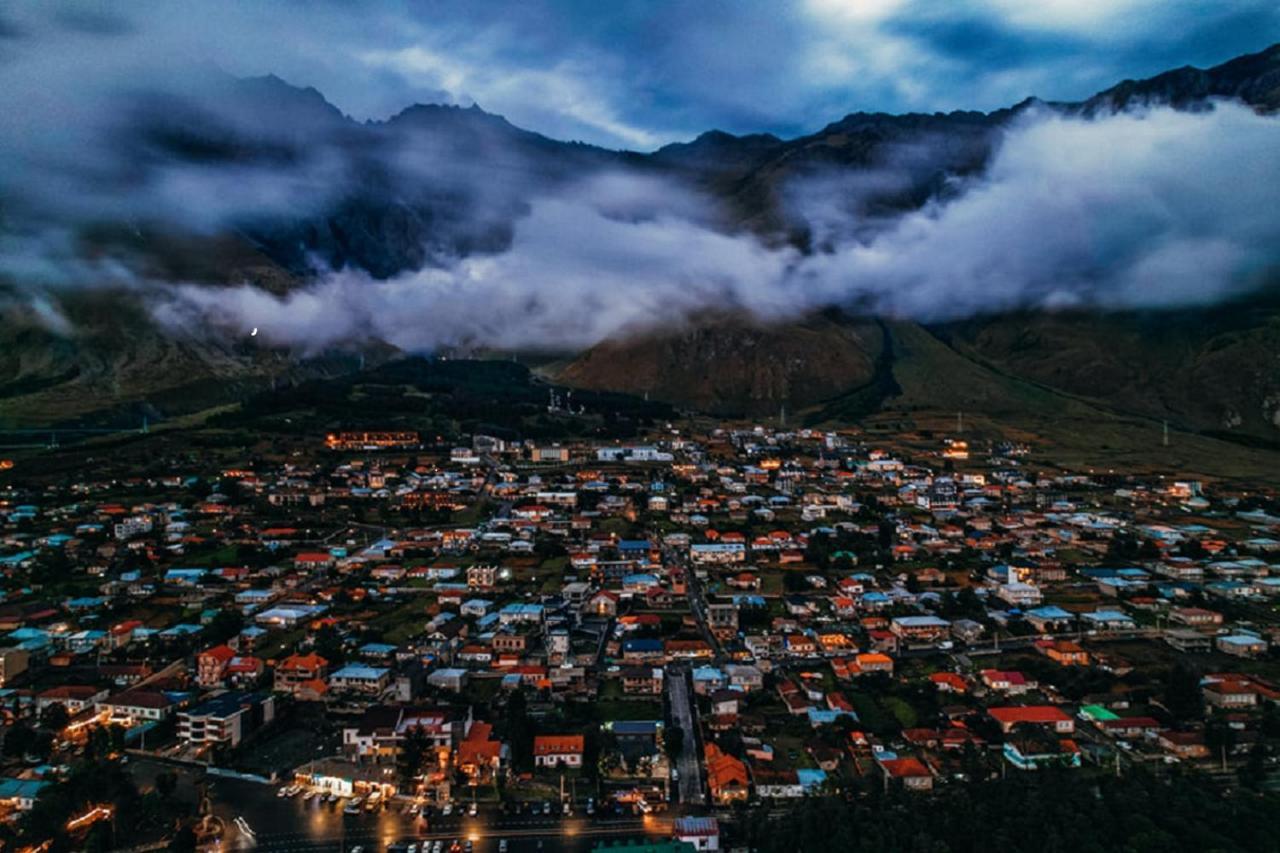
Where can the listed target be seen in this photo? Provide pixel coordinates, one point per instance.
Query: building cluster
(693, 618)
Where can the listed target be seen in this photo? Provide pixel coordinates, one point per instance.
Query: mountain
(436, 183)
(1202, 370)
(732, 365)
(117, 368)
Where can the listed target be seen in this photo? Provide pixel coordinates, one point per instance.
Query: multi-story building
(722, 619)
(13, 662)
(226, 719)
(297, 671)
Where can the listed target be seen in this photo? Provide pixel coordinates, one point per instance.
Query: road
(685, 713)
(297, 826)
(693, 589)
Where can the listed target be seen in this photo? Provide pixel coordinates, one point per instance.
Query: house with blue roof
(1241, 645)
(1049, 618)
(708, 679)
(874, 600)
(27, 634)
(287, 617)
(1231, 589)
(376, 650)
(518, 612)
(21, 794)
(827, 716)
(360, 678)
(255, 596)
(1108, 620)
(639, 582)
(86, 641)
(642, 649)
(475, 607)
(811, 778)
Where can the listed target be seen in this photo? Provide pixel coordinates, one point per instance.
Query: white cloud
(564, 88)
(1092, 17)
(1151, 209)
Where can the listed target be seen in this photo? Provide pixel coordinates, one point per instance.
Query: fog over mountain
(1146, 208)
(205, 206)
(448, 227)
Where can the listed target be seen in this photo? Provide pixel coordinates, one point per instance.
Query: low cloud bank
(1148, 209)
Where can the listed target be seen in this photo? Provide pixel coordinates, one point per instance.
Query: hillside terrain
(436, 183)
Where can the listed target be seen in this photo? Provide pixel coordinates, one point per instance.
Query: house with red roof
(727, 777)
(1007, 681)
(912, 773)
(949, 682)
(1046, 716)
(211, 665)
(558, 750)
(314, 561)
(297, 670)
(479, 755)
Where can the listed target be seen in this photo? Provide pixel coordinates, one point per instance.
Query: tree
(1254, 771)
(184, 841)
(224, 625)
(413, 753)
(166, 784)
(1220, 738)
(887, 534)
(100, 838)
(1182, 696)
(674, 741)
(520, 731)
(329, 646)
(55, 717)
(19, 740)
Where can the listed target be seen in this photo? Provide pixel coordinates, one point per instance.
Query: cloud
(615, 254)
(630, 74)
(1156, 208)
(563, 89)
(116, 120)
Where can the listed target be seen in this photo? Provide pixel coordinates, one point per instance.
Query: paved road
(685, 713)
(297, 826)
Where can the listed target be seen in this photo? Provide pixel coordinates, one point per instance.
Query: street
(680, 696)
(282, 825)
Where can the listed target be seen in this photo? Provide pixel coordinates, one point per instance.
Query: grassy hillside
(734, 366)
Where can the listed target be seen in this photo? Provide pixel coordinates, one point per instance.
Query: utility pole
(1165, 439)
(959, 422)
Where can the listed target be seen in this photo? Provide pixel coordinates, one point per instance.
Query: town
(381, 639)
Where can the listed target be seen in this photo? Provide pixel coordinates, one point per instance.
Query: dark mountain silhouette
(435, 183)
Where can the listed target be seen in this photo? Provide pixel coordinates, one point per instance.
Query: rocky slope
(733, 366)
(440, 182)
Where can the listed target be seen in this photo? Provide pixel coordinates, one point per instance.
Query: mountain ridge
(404, 197)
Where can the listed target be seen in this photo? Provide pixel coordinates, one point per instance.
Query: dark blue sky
(640, 73)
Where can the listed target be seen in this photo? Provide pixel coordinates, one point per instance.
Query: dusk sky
(635, 74)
